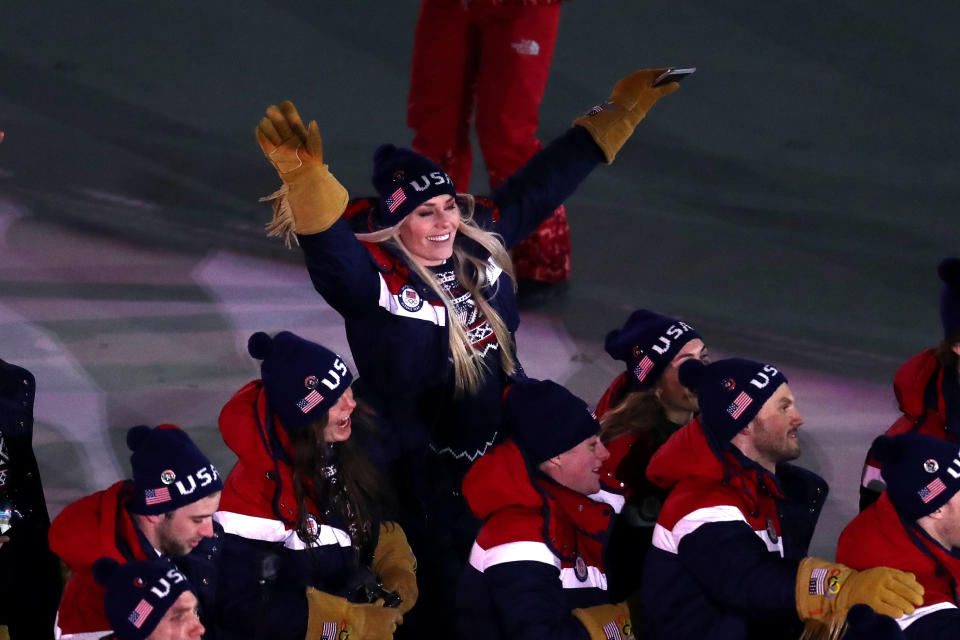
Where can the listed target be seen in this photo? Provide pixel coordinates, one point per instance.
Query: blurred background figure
(487, 61)
(30, 585)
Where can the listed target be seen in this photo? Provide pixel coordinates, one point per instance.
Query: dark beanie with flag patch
(546, 419)
(138, 594)
(301, 379)
(647, 342)
(922, 472)
(169, 471)
(404, 180)
(730, 392)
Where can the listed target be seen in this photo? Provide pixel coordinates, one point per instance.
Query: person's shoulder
(700, 494)
(517, 524)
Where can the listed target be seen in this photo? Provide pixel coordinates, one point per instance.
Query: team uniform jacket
(398, 330)
(258, 514)
(877, 537)
(538, 556)
(727, 543)
(99, 525)
(929, 397)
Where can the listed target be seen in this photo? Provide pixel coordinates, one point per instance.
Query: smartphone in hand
(673, 75)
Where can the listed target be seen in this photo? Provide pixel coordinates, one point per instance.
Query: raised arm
(554, 173)
(307, 210)
(311, 199)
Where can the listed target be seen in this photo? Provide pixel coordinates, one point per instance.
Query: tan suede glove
(335, 617)
(311, 199)
(613, 122)
(601, 620)
(826, 590)
(395, 565)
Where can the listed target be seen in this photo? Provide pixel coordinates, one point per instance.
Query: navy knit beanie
(138, 594)
(922, 472)
(404, 180)
(730, 392)
(648, 342)
(546, 419)
(949, 271)
(169, 471)
(301, 379)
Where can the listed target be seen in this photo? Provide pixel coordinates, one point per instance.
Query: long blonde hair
(469, 369)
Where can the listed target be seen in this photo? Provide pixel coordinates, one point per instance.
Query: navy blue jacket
(727, 544)
(398, 330)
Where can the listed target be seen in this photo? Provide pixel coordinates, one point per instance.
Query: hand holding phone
(673, 75)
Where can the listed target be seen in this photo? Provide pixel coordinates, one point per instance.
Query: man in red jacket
(729, 557)
(914, 526)
(537, 567)
(166, 510)
(927, 385)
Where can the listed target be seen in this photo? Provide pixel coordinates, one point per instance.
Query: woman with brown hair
(307, 548)
(639, 411)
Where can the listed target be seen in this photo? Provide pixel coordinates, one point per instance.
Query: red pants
(488, 64)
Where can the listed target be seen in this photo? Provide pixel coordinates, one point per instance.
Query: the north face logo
(526, 47)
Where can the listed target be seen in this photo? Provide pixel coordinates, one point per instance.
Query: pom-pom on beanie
(647, 342)
(169, 471)
(545, 419)
(301, 379)
(404, 180)
(730, 392)
(922, 472)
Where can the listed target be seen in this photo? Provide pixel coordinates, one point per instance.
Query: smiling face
(430, 229)
(338, 418)
(578, 468)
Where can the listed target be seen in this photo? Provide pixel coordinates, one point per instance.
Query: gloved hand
(395, 564)
(828, 590)
(346, 620)
(311, 199)
(612, 123)
(598, 619)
